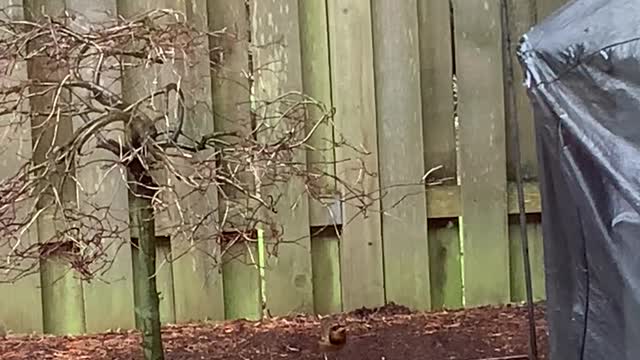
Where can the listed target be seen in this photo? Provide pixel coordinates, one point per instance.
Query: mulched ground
(390, 332)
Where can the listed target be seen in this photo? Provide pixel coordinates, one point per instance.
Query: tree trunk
(147, 299)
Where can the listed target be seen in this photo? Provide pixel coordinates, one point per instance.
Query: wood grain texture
(277, 70)
(436, 67)
(231, 103)
(521, 17)
(445, 202)
(22, 311)
(316, 81)
(536, 257)
(62, 291)
(401, 153)
(108, 302)
(241, 283)
(62, 296)
(353, 89)
(478, 37)
(445, 265)
(325, 255)
(198, 283)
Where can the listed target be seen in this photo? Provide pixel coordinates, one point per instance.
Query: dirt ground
(390, 332)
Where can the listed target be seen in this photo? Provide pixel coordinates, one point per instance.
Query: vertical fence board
(62, 291)
(479, 67)
(231, 96)
(241, 283)
(400, 143)
(536, 256)
(278, 69)
(325, 251)
(22, 311)
(198, 288)
(521, 17)
(316, 81)
(352, 81)
(436, 68)
(62, 298)
(109, 302)
(446, 272)
(165, 283)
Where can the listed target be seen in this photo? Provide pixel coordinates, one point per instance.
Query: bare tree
(207, 187)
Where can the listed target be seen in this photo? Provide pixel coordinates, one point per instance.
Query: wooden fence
(387, 67)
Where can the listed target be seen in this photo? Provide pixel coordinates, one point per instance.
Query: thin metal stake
(515, 137)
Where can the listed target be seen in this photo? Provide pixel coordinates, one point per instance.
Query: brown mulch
(390, 332)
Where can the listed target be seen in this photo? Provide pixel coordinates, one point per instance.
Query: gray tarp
(582, 71)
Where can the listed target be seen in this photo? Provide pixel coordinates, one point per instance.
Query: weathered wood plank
(198, 283)
(352, 81)
(62, 291)
(444, 201)
(241, 283)
(325, 253)
(536, 257)
(444, 264)
(62, 297)
(436, 67)
(278, 69)
(198, 288)
(231, 102)
(22, 311)
(109, 302)
(483, 188)
(521, 16)
(316, 81)
(400, 144)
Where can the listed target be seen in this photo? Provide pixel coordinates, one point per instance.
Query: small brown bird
(332, 338)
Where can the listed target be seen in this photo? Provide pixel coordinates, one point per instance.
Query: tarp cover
(582, 71)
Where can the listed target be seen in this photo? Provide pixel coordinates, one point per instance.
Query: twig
(508, 357)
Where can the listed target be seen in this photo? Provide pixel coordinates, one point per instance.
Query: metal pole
(515, 151)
